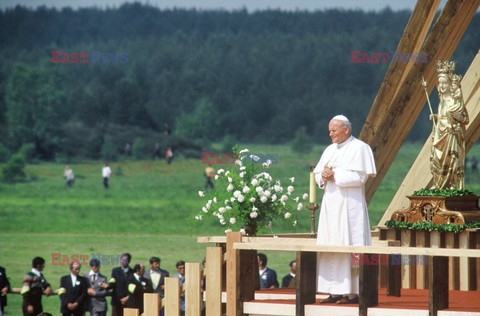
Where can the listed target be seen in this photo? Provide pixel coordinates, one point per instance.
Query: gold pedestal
(440, 210)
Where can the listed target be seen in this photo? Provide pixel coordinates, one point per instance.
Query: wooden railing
(231, 267)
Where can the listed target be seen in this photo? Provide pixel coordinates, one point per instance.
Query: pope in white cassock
(342, 172)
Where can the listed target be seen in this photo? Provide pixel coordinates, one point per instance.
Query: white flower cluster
(249, 194)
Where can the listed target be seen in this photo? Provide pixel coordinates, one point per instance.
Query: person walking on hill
(68, 174)
(106, 172)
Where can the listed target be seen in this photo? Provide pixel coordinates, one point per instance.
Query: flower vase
(251, 229)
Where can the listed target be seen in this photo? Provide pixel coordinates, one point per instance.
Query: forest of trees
(211, 75)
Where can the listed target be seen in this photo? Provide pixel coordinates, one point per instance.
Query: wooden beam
(394, 275)
(419, 175)
(438, 271)
(213, 279)
(131, 312)
(284, 246)
(306, 281)
(368, 291)
(234, 306)
(421, 241)
(410, 42)
(192, 289)
(151, 304)
(391, 129)
(172, 297)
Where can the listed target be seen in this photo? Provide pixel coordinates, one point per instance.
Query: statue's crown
(445, 68)
(456, 78)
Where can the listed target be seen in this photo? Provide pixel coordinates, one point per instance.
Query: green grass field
(148, 211)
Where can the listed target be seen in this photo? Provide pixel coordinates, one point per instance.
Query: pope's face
(443, 85)
(338, 132)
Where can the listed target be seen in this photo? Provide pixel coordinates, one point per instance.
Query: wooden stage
(413, 302)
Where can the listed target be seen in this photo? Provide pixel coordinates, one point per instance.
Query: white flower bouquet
(247, 197)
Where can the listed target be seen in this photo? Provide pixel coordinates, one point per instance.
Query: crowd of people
(80, 293)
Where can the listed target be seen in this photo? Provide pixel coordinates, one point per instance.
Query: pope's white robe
(343, 214)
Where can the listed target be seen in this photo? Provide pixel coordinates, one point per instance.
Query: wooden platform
(413, 301)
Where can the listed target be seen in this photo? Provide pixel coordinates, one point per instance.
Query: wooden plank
(438, 269)
(394, 280)
(451, 242)
(151, 304)
(477, 237)
(213, 279)
(419, 175)
(392, 129)
(420, 268)
(472, 253)
(368, 291)
(172, 297)
(249, 275)
(306, 280)
(131, 312)
(463, 243)
(411, 41)
(406, 268)
(192, 289)
(234, 306)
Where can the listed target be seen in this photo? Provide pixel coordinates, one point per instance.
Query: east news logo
(97, 57)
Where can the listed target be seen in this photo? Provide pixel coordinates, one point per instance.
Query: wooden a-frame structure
(401, 98)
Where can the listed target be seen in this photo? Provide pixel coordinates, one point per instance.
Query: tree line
(211, 75)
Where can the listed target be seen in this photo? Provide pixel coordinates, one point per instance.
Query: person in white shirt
(68, 174)
(106, 172)
(73, 292)
(342, 172)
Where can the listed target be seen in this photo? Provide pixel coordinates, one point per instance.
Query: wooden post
(421, 241)
(234, 306)
(192, 289)
(306, 280)
(172, 297)
(368, 275)
(408, 271)
(394, 276)
(438, 271)
(151, 304)
(213, 273)
(451, 241)
(131, 312)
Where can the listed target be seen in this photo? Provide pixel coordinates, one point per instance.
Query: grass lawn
(148, 211)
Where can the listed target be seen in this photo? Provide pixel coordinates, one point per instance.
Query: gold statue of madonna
(447, 157)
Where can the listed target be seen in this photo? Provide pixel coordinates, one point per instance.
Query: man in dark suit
(157, 276)
(4, 289)
(73, 292)
(268, 277)
(289, 280)
(97, 290)
(137, 286)
(34, 286)
(119, 284)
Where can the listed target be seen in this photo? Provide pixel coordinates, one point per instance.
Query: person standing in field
(169, 155)
(342, 171)
(68, 174)
(209, 177)
(34, 287)
(119, 284)
(73, 292)
(97, 290)
(4, 289)
(106, 172)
